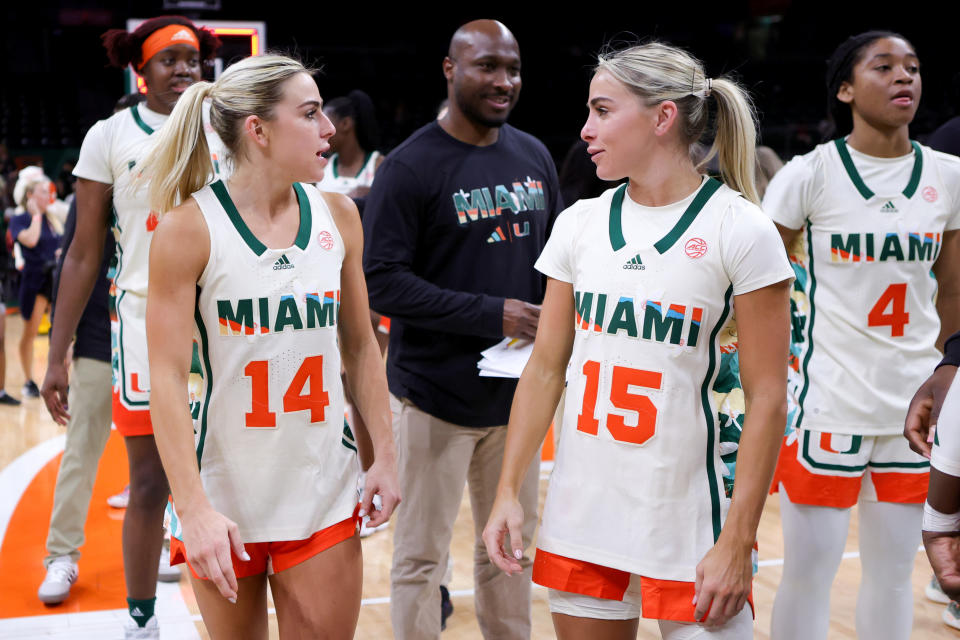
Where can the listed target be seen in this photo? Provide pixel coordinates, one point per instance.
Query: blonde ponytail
(179, 161)
(657, 72)
(735, 141)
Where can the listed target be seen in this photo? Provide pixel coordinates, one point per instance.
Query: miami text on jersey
(480, 204)
(857, 247)
(313, 311)
(645, 321)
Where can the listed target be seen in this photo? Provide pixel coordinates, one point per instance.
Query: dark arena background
(56, 82)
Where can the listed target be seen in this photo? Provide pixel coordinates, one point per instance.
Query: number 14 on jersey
(309, 374)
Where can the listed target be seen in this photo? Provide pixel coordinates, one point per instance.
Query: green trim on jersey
(822, 465)
(220, 190)
(705, 390)
(706, 192)
(911, 187)
(336, 156)
(804, 368)
(207, 375)
(662, 245)
(123, 364)
(862, 187)
(306, 218)
(617, 240)
(303, 233)
(140, 123)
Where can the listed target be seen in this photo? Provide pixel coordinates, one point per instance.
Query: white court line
(18, 475)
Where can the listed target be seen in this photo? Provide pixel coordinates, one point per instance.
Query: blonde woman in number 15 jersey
(641, 280)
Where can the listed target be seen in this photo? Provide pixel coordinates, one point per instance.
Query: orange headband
(164, 37)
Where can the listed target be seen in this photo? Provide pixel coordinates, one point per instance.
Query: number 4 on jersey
(895, 297)
(316, 400)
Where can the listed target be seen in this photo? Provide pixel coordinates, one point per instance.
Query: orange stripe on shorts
(130, 422)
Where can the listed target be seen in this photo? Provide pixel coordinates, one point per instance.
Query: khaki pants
(435, 459)
(89, 402)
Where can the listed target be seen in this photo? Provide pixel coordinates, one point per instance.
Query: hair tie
(708, 87)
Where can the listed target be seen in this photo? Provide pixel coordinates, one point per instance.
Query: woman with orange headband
(168, 53)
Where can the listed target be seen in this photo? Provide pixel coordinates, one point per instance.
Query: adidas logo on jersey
(282, 263)
(635, 263)
(889, 208)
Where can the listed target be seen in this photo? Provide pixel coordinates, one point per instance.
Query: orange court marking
(101, 584)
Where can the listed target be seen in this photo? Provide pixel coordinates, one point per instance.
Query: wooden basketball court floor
(30, 448)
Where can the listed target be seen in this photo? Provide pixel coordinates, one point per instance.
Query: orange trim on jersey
(578, 576)
(659, 599)
(278, 555)
(131, 422)
(905, 488)
(384, 325)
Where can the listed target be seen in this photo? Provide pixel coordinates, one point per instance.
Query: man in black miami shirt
(453, 224)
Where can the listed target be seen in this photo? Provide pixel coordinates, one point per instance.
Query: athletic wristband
(938, 522)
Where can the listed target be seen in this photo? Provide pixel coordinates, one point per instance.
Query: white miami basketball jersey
(865, 325)
(333, 181)
(270, 434)
(111, 153)
(638, 480)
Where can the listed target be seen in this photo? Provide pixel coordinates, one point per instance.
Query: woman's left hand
(381, 480)
(723, 584)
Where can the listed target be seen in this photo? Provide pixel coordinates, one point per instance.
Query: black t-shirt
(93, 329)
(451, 230)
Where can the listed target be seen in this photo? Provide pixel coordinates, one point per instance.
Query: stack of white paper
(505, 359)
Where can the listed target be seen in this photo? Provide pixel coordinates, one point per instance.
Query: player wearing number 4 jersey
(877, 216)
(641, 280)
(264, 480)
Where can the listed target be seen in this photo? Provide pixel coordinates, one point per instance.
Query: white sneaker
(934, 593)
(61, 574)
(167, 573)
(133, 631)
(951, 615)
(120, 500)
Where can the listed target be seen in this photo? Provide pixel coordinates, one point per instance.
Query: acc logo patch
(325, 239)
(929, 194)
(696, 247)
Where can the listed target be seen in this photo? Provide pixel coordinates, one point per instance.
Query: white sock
(813, 542)
(889, 537)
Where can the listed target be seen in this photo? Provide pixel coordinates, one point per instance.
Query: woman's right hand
(209, 536)
(54, 392)
(506, 517)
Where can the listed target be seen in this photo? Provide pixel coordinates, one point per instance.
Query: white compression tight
(813, 540)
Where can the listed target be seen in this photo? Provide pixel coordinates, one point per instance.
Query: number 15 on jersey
(621, 397)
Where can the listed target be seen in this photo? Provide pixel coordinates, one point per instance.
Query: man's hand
(943, 550)
(925, 409)
(520, 319)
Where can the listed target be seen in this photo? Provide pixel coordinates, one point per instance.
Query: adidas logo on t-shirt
(889, 207)
(282, 263)
(635, 263)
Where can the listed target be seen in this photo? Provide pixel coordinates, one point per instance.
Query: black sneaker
(446, 607)
(30, 389)
(6, 398)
